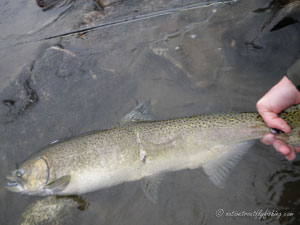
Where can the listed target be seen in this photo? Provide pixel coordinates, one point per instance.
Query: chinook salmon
(144, 150)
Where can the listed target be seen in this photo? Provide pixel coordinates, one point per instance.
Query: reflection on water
(283, 196)
(52, 210)
(187, 62)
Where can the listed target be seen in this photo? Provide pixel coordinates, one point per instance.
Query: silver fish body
(134, 151)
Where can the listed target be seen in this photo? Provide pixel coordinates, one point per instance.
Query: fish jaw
(14, 184)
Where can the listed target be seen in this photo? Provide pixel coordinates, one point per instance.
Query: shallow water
(187, 61)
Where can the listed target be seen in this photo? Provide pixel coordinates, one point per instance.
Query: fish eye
(20, 173)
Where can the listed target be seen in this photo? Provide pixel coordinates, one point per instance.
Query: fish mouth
(13, 184)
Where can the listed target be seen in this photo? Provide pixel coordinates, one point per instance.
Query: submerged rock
(281, 14)
(48, 4)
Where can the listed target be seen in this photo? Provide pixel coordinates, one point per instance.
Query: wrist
(288, 90)
(292, 87)
(293, 73)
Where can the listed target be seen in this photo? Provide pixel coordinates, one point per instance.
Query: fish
(143, 149)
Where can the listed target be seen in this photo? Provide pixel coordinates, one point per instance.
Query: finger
(291, 156)
(294, 148)
(297, 149)
(268, 139)
(281, 147)
(273, 121)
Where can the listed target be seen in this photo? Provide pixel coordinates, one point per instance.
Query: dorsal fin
(139, 113)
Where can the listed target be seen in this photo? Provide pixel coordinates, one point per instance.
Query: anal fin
(219, 168)
(150, 186)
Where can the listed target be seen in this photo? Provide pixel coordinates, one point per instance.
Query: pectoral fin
(218, 169)
(59, 184)
(150, 186)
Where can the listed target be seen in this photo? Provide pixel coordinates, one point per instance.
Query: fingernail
(276, 131)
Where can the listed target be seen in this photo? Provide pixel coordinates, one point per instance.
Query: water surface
(187, 61)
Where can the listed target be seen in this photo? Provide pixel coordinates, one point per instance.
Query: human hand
(278, 98)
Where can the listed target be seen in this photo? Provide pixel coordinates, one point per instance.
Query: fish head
(30, 177)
